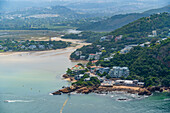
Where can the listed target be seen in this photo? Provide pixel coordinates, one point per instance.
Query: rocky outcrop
(155, 88)
(102, 90)
(66, 76)
(144, 92)
(57, 93)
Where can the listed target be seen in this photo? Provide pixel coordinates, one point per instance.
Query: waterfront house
(82, 57)
(129, 83)
(32, 47)
(41, 46)
(77, 68)
(78, 53)
(140, 84)
(107, 83)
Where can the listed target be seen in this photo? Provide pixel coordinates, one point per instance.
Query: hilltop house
(127, 49)
(106, 38)
(118, 38)
(154, 33)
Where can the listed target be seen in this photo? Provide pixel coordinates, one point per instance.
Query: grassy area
(28, 34)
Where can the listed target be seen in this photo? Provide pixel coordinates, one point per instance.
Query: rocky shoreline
(105, 90)
(101, 90)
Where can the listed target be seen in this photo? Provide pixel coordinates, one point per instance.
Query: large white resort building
(117, 72)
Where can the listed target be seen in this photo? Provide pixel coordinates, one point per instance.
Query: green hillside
(148, 64)
(118, 21)
(134, 33)
(144, 26)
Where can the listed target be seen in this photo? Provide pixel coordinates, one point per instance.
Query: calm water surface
(27, 79)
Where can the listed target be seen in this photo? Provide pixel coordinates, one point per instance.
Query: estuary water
(26, 79)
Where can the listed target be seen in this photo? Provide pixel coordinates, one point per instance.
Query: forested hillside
(118, 21)
(144, 26)
(149, 64)
(134, 33)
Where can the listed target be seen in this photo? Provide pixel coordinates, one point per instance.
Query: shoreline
(107, 89)
(78, 43)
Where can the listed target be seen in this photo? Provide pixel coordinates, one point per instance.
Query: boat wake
(13, 101)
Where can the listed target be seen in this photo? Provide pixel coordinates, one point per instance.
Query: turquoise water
(27, 79)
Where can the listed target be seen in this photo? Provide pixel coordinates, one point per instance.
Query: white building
(117, 72)
(78, 53)
(32, 47)
(94, 56)
(78, 77)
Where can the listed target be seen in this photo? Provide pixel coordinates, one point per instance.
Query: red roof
(92, 54)
(94, 61)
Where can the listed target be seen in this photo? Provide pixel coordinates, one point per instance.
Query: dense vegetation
(134, 33)
(148, 64)
(94, 81)
(87, 35)
(120, 20)
(144, 26)
(13, 45)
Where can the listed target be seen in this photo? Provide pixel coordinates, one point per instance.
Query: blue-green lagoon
(26, 79)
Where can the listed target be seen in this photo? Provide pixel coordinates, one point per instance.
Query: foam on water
(13, 101)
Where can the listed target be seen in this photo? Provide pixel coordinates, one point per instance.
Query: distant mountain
(118, 21)
(159, 10)
(61, 11)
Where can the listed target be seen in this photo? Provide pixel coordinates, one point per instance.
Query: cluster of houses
(109, 83)
(115, 72)
(95, 56)
(10, 45)
(110, 37)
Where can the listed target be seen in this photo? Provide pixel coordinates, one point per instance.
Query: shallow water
(27, 79)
